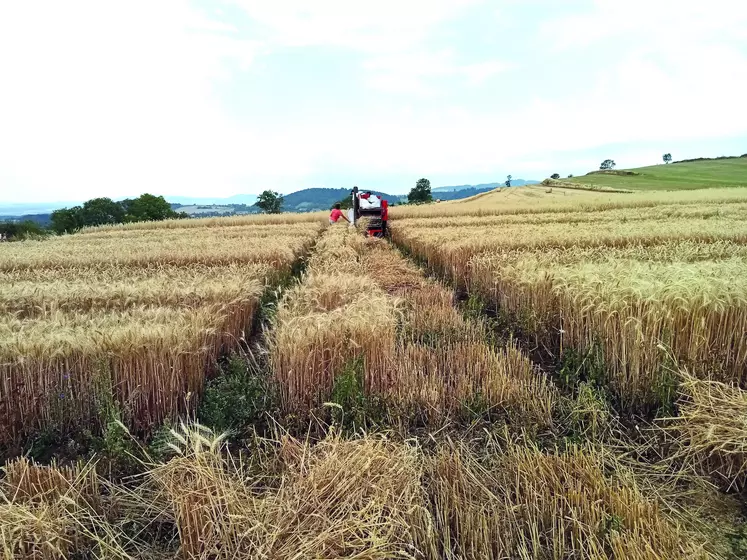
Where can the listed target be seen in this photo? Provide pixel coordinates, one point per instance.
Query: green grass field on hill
(676, 176)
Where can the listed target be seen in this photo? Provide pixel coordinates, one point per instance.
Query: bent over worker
(336, 214)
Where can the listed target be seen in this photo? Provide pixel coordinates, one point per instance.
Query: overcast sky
(214, 98)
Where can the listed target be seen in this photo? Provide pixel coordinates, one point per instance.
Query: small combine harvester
(373, 208)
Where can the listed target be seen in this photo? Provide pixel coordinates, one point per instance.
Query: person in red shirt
(336, 214)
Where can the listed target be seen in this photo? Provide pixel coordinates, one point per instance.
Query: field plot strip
(666, 288)
(135, 315)
(538, 199)
(470, 462)
(420, 357)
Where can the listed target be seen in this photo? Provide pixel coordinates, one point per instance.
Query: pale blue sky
(215, 98)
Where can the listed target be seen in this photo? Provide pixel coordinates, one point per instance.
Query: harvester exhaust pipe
(356, 206)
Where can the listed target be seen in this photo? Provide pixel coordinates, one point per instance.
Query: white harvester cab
(370, 202)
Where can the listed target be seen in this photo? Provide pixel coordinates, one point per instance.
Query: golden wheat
(215, 247)
(419, 354)
(711, 429)
(534, 199)
(703, 211)
(117, 289)
(285, 219)
(133, 316)
(638, 290)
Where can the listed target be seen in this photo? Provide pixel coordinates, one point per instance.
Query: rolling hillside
(686, 175)
(483, 187)
(309, 200)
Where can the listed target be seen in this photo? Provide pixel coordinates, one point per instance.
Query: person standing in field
(336, 214)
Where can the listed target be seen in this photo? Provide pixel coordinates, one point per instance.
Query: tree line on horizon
(104, 211)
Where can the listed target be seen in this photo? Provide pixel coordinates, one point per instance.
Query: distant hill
(461, 193)
(484, 187)
(209, 201)
(315, 199)
(30, 208)
(681, 175)
(305, 200)
(43, 220)
(311, 200)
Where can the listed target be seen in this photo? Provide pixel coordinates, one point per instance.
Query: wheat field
(399, 417)
(138, 314)
(650, 288)
(419, 354)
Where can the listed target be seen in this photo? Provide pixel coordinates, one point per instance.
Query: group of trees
(20, 230)
(101, 211)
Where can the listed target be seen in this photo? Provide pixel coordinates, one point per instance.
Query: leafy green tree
(100, 211)
(508, 180)
(270, 202)
(345, 203)
(421, 192)
(147, 207)
(21, 230)
(607, 165)
(667, 158)
(555, 176)
(570, 176)
(66, 220)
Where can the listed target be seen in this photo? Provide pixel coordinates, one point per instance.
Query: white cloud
(391, 34)
(374, 27)
(479, 72)
(412, 72)
(117, 99)
(668, 24)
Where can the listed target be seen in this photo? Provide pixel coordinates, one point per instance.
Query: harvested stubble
(337, 499)
(711, 430)
(369, 497)
(52, 513)
(420, 355)
(524, 503)
(78, 328)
